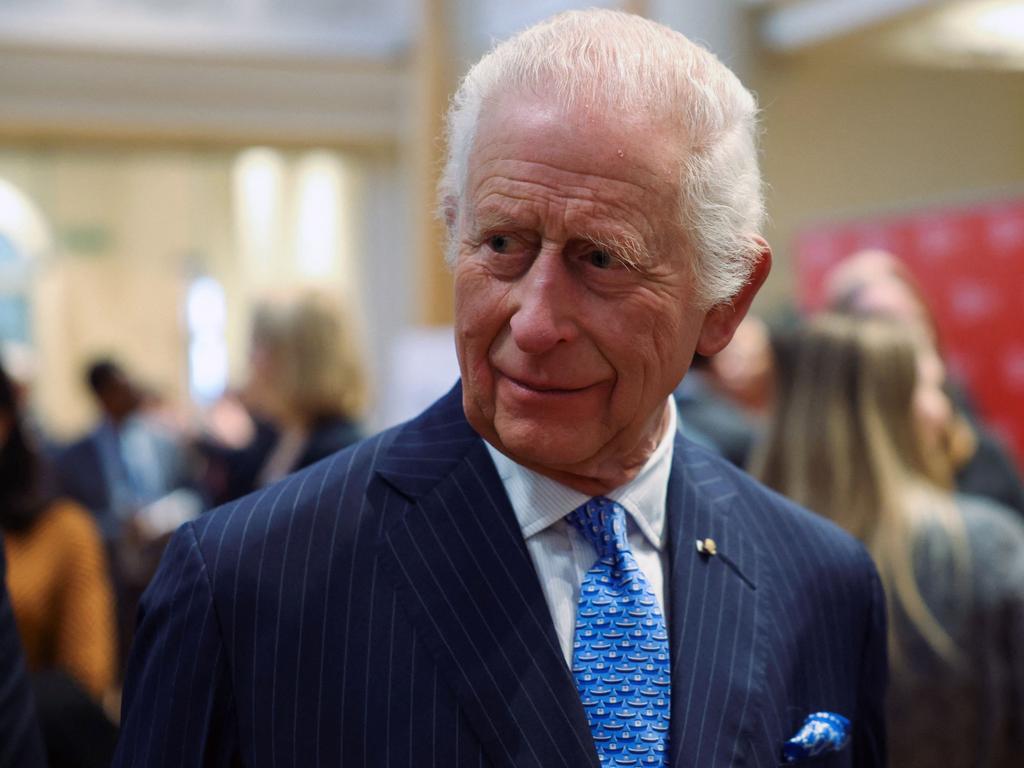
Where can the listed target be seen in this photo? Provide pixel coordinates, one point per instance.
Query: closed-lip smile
(543, 388)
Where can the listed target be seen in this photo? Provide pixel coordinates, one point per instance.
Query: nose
(543, 317)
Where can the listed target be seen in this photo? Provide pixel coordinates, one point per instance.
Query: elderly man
(539, 570)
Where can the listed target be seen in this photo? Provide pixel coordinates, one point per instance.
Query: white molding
(799, 25)
(72, 93)
(379, 39)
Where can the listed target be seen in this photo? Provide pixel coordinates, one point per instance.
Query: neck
(603, 474)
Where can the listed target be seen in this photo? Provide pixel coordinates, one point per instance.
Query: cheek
(673, 340)
(477, 307)
(649, 349)
(479, 319)
(932, 412)
(259, 362)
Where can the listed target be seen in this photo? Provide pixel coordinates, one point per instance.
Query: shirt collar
(539, 502)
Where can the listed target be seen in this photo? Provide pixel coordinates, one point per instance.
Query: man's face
(119, 396)
(568, 353)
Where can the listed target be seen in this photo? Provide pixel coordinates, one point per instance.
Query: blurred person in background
(306, 394)
(723, 400)
(857, 436)
(743, 369)
(135, 476)
(128, 461)
(19, 361)
(874, 283)
(61, 598)
(711, 419)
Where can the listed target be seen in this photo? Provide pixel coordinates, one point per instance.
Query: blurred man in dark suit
(127, 462)
(539, 570)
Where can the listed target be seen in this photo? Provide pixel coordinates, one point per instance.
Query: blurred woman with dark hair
(857, 437)
(61, 598)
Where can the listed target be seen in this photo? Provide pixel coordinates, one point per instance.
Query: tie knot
(603, 523)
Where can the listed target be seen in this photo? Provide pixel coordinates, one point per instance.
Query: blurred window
(14, 322)
(24, 238)
(206, 313)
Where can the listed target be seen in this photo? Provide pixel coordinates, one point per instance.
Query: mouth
(544, 388)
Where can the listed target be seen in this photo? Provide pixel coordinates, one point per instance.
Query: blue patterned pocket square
(821, 733)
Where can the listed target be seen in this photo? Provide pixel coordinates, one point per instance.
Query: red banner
(969, 262)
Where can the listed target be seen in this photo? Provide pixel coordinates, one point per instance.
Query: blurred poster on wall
(969, 261)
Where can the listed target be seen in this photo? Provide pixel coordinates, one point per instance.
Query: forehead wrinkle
(577, 181)
(490, 218)
(500, 210)
(531, 193)
(522, 198)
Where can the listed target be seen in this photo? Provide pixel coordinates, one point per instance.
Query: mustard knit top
(61, 595)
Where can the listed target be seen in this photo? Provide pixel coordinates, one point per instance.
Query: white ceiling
(788, 26)
(310, 70)
(386, 29)
(958, 34)
(303, 28)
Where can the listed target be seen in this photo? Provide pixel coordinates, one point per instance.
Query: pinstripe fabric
(380, 609)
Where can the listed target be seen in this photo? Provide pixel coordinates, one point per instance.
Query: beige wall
(104, 307)
(130, 229)
(133, 226)
(852, 138)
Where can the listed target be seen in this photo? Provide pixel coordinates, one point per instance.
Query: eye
(600, 259)
(499, 243)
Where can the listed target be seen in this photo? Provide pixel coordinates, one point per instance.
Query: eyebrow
(632, 252)
(628, 248)
(480, 223)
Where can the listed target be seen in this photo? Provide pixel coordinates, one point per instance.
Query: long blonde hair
(844, 443)
(315, 365)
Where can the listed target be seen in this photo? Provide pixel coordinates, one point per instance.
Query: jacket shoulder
(317, 503)
(812, 542)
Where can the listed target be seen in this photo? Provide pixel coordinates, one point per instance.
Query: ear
(721, 320)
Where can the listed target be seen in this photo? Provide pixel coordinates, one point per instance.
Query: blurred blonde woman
(876, 283)
(857, 436)
(307, 392)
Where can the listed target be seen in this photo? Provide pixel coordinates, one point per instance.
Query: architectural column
(431, 82)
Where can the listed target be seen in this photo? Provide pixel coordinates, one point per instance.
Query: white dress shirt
(561, 555)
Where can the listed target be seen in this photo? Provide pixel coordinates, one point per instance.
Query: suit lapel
(465, 579)
(714, 614)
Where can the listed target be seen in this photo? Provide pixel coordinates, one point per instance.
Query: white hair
(628, 63)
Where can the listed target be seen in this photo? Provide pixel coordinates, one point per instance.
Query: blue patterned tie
(620, 652)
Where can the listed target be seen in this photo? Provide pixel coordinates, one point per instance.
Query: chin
(543, 444)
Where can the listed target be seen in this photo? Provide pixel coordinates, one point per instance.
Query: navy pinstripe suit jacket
(380, 609)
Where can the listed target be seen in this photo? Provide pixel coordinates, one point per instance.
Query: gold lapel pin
(707, 547)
